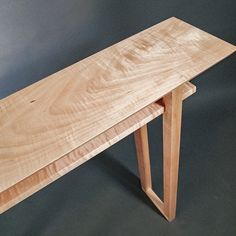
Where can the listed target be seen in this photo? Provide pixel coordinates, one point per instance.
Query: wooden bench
(60, 122)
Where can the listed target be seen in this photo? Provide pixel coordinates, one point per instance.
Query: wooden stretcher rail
(55, 170)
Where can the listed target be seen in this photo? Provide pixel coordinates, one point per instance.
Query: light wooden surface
(142, 148)
(171, 145)
(51, 118)
(60, 167)
(187, 89)
(144, 167)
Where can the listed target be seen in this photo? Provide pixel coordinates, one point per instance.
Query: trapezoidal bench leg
(142, 148)
(171, 145)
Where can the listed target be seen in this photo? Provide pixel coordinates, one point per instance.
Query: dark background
(103, 197)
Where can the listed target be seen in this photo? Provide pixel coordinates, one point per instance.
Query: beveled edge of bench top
(52, 117)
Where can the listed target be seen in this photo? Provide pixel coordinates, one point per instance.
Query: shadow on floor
(125, 177)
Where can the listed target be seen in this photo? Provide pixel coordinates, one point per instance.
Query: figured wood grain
(51, 118)
(65, 164)
(53, 171)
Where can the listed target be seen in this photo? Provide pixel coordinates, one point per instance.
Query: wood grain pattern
(171, 146)
(49, 119)
(53, 171)
(60, 167)
(187, 89)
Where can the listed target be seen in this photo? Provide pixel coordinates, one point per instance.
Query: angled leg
(141, 141)
(171, 145)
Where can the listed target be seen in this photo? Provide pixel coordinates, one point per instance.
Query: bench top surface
(52, 117)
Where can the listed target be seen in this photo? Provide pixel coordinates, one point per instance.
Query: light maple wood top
(52, 117)
(83, 153)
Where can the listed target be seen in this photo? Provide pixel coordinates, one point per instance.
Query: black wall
(102, 197)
